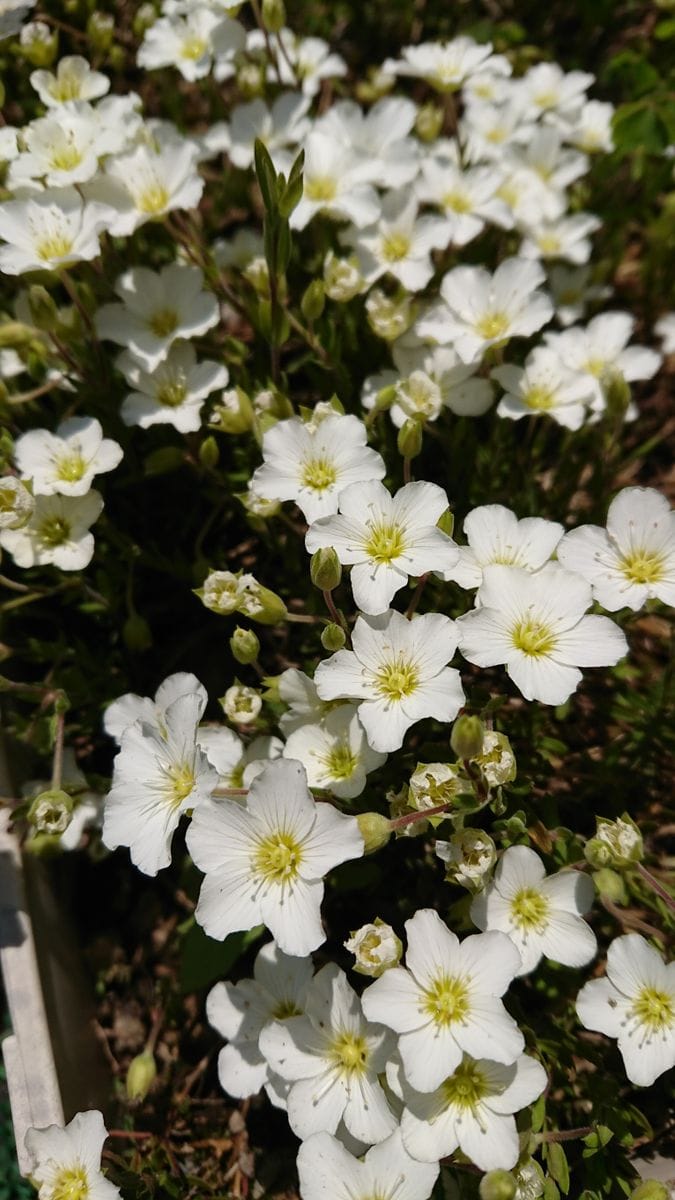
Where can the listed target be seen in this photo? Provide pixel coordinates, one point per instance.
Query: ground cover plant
(337, 584)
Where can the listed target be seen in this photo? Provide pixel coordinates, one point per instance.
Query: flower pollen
(71, 467)
(447, 1000)
(529, 909)
(55, 245)
(341, 762)
(163, 322)
(193, 48)
(54, 531)
(318, 474)
(278, 857)
(643, 566)
(181, 782)
(466, 1087)
(172, 394)
(321, 188)
(397, 679)
(492, 325)
(395, 246)
(152, 199)
(349, 1052)
(71, 1184)
(533, 637)
(385, 543)
(65, 158)
(654, 1009)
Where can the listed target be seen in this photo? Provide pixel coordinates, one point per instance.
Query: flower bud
(467, 736)
(43, 311)
(388, 317)
(234, 414)
(136, 633)
(141, 1074)
(434, 783)
(530, 1180)
(651, 1189)
(375, 948)
(610, 886)
(223, 591)
(333, 637)
(209, 454)
(250, 80)
(496, 761)
(50, 812)
(469, 856)
(419, 396)
(429, 122)
(273, 15)
(313, 301)
(342, 279)
(325, 570)
(409, 440)
(100, 30)
(258, 506)
(16, 503)
(144, 17)
(375, 830)
(39, 44)
(245, 645)
(241, 704)
(14, 334)
(497, 1185)
(616, 843)
(261, 604)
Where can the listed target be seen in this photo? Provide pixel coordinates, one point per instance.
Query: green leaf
(556, 1160)
(267, 176)
(204, 960)
(284, 246)
(637, 126)
(665, 29)
(538, 1112)
(550, 1190)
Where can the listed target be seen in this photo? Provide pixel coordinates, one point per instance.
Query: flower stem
(656, 886)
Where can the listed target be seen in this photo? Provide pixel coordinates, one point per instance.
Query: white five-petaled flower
(66, 1161)
(159, 774)
(471, 1110)
(57, 532)
(122, 713)
(633, 559)
(446, 1002)
(329, 1172)
(444, 65)
(385, 538)
(332, 1057)
(174, 392)
(190, 42)
(144, 185)
(49, 230)
(468, 198)
(335, 753)
(335, 180)
(399, 243)
(265, 860)
(157, 308)
(312, 465)
(73, 80)
(396, 673)
(240, 1011)
(636, 1004)
(536, 625)
(544, 385)
(66, 461)
(495, 535)
(482, 310)
(540, 913)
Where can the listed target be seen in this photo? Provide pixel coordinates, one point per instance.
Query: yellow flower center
(71, 1184)
(459, 202)
(643, 566)
(66, 87)
(54, 531)
(654, 1008)
(549, 243)
(278, 858)
(546, 99)
(395, 246)
(349, 1053)
(318, 474)
(509, 193)
(173, 393)
(446, 78)
(397, 679)
(54, 245)
(533, 637)
(529, 909)
(539, 398)
(181, 782)
(447, 1000)
(386, 542)
(152, 199)
(163, 322)
(595, 366)
(193, 47)
(341, 762)
(321, 187)
(466, 1087)
(496, 135)
(492, 325)
(65, 158)
(71, 467)
(286, 1009)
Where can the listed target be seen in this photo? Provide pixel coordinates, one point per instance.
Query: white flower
(600, 350)
(190, 42)
(535, 624)
(157, 308)
(572, 291)
(66, 461)
(63, 150)
(636, 1004)
(312, 466)
(12, 14)
(460, 391)
(633, 559)
(299, 692)
(329, 1172)
(50, 230)
(547, 89)
(145, 185)
(385, 538)
(57, 532)
(172, 394)
(74, 80)
(468, 198)
(544, 385)
(540, 913)
(310, 60)
(375, 947)
(236, 763)
(123, 712)
(240, 1011)
(66, 1162)
(335, 753)
(332, 1057)
(496, 536)
(483, 310)
(496, 760)
(265, 860)
(444, 65)
(434, 783)
(396, 673)
(241, 704)
(399, 243)
(335, 183)
(665, 329)
(488, 129)
(566, 238)
(380, 135)
(592, 130)
(469, 857)
(283, 125)
(157, 777)
(445, 1002)
(471, 1110)
(16, 502)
